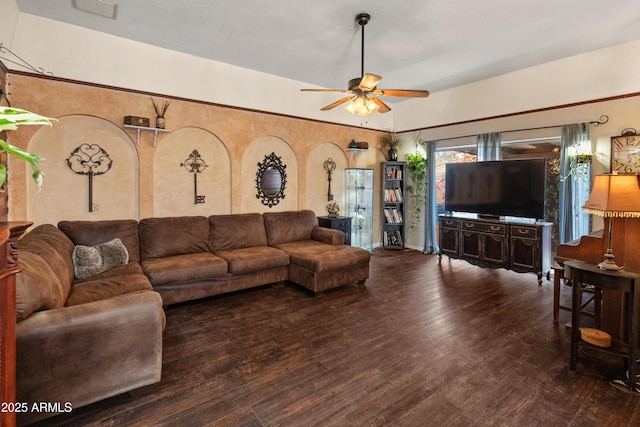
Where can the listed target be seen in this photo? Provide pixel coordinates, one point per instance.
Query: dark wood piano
(591, 248)
(588, 248)
(9, 267)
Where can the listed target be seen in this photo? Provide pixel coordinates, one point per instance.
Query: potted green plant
(10, 119)
(416, 187)
(392, 140)
(579, 166)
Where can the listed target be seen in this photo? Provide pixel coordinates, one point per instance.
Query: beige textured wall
(174, 184)
(66, 193)
(148, 181)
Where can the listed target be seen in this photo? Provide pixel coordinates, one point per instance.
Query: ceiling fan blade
(384, 108)
(335, 104)
(324, 90)
(369, 81)
(402, 92)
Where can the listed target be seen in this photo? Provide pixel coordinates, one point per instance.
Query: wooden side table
(342, 223)
(624, 281)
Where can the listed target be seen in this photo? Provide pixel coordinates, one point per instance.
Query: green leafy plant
(579, 166)
(416, 188)
(10, 119)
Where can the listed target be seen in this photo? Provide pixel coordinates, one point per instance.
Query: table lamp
(614, 196)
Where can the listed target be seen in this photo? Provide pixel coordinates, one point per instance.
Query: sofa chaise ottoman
(319, 259)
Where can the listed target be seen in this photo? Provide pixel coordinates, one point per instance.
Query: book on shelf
(394, 173)
(393, 195)
(398, 238)
(392, 238)
(393, 216)
(396, 215)
(398, 194)
(387, 214)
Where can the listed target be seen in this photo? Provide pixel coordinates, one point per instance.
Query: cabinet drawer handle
(523, 231)
(469, 224)
(494, 228)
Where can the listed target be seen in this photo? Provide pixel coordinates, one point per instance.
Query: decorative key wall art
(195, 164)
(90, 160)
(329, 166)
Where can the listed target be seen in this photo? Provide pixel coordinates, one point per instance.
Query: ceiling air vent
(105, 8)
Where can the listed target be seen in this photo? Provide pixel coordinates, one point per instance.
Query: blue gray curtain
(488, 146)
(574, 188)
(431, 211)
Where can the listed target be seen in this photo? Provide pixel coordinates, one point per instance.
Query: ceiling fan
(363, 99)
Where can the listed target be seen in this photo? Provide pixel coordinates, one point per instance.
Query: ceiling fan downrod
(363, 93)
(362, 19)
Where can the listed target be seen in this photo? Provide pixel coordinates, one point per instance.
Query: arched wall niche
(370, 158)
(316, 177)
(255, 153)
(65, 193)
(174, 187)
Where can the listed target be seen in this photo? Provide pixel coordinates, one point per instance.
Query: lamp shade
(614, 196)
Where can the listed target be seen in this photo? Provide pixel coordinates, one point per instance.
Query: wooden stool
(593, 295)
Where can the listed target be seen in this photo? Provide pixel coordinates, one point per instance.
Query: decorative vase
(393, 155)
(160, 122)
(333, 209)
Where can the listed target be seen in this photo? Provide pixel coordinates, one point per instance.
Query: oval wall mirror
(270, 180)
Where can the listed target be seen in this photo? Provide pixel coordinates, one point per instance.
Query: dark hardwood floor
(422, 344)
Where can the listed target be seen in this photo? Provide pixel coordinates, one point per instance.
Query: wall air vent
(105, 8)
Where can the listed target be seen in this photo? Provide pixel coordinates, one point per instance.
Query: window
(451, 155)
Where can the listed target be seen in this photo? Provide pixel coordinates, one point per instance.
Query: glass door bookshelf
(359, 206)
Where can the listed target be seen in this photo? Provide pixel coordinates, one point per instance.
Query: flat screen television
(497, 188)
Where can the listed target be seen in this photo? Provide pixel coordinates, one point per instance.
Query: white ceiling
(413, 44)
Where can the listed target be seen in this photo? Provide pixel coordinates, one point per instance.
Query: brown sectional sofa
(176, 257)
(241, 241)
(81, 340)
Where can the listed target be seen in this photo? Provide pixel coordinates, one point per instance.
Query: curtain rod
(603, 119)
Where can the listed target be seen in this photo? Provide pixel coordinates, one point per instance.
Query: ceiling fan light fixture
(364, 89)
(362, 105)
(351, 107)
(371, 105)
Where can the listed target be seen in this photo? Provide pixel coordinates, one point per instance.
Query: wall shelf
(150, 129)
(353, 152)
